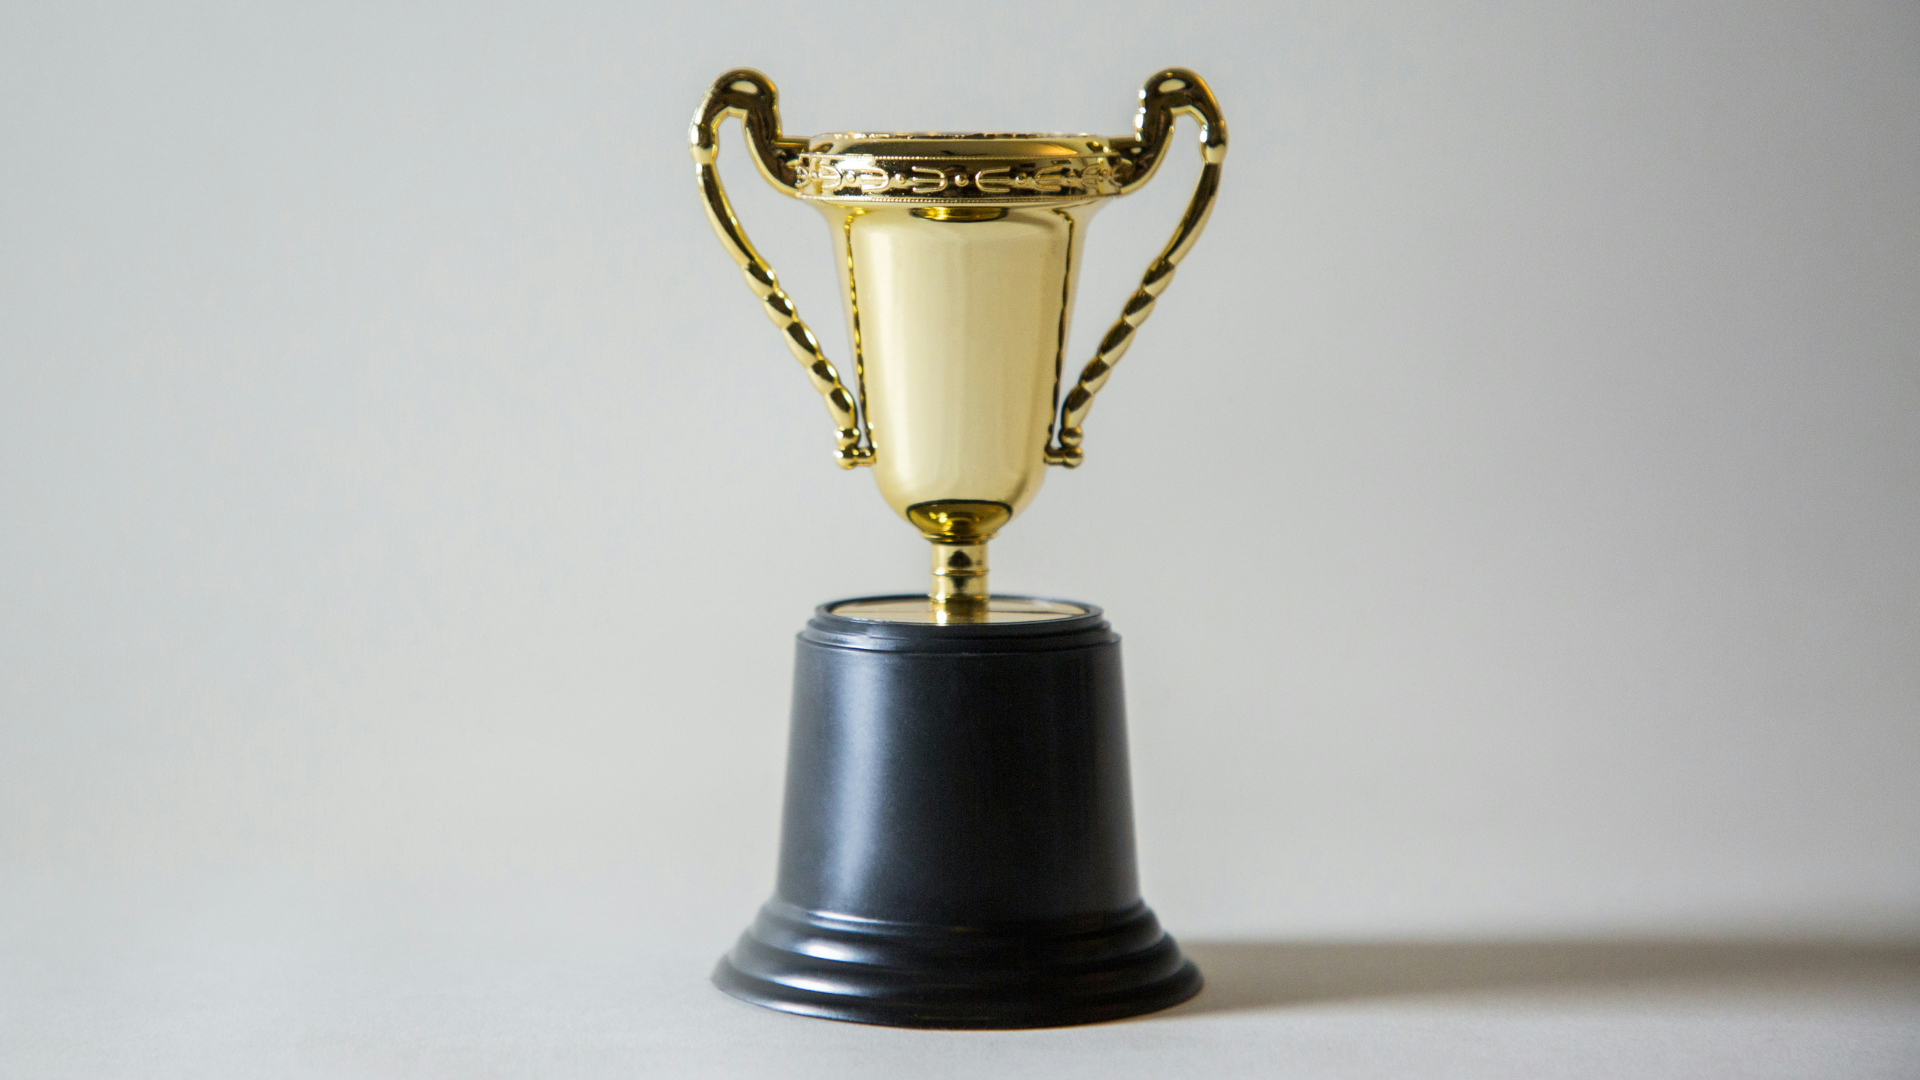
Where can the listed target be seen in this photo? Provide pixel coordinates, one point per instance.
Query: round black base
(957, 843)
(906, 975)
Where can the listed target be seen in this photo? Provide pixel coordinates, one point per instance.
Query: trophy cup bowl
(957, 839)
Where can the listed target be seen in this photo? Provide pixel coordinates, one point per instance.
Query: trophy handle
(1168, 94)
(749, 95)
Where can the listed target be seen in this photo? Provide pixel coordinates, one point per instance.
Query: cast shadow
(1249, 975)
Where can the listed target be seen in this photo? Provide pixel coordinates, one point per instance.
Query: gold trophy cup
(958, 255)
(957, 846)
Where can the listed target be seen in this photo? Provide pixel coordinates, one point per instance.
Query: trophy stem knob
(959, 590)
(959, 530)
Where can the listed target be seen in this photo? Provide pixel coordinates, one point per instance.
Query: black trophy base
(957, 842)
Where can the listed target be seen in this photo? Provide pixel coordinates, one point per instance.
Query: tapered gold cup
(957, 256)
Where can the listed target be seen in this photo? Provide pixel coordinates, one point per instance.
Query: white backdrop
(1511, 511)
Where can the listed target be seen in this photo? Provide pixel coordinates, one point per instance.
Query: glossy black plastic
(957, 843)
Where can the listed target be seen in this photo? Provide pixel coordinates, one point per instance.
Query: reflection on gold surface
(959, 344)
(959, 521)
(959, 213)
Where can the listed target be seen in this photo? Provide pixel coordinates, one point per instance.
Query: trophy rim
(979, 144)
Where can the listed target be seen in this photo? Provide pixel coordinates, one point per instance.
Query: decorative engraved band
(857, 178)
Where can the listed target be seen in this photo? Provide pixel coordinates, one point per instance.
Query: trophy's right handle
(1170, 93)
(749, 95)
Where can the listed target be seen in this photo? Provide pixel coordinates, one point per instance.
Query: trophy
(957, 835)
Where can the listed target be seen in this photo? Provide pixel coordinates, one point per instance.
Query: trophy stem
(959, 590)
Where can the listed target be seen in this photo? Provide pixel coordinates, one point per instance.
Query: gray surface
(326, 984)
(582, 1017)
(1511, 513)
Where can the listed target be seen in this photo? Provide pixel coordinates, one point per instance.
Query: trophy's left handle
(749, 95)
(1170, 93)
